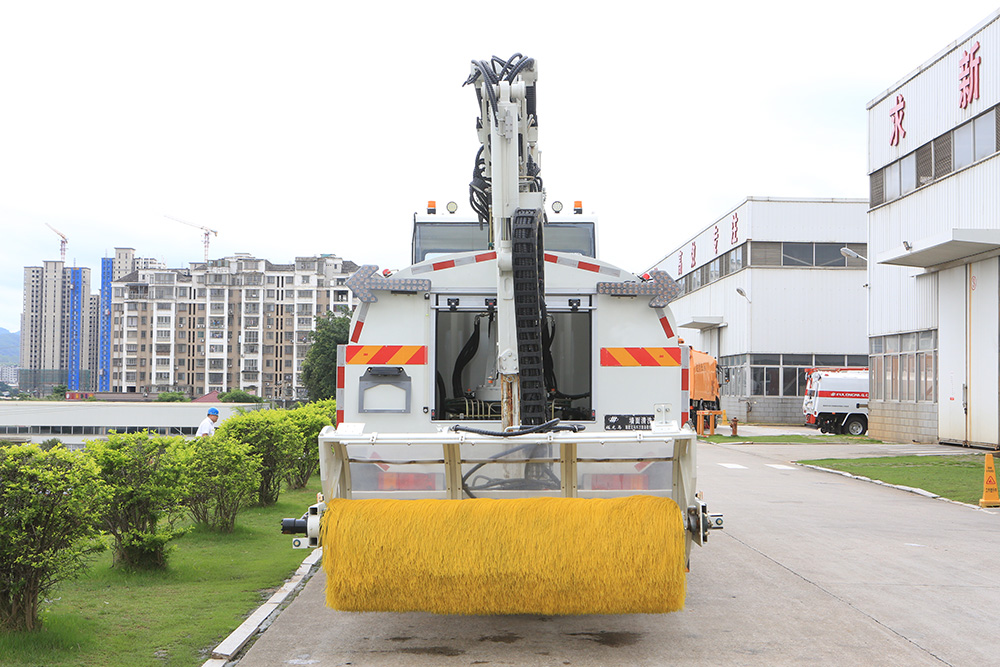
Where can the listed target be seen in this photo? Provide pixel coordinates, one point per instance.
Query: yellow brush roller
(520, 556)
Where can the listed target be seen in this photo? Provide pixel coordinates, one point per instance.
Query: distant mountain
(10, 347)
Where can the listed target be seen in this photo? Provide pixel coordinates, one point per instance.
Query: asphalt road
(812, 568)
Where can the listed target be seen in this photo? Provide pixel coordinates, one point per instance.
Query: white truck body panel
(833, 397)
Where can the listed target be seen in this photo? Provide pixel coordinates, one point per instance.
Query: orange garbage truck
(704, 386)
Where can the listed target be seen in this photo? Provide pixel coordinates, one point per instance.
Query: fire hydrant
(733, 423)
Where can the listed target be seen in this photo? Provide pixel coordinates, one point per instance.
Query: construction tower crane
(62, 243)
(208, 231)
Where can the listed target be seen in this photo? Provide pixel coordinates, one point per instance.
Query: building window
(797, 254)
(904, 367)
(962, 146)
(955, 149)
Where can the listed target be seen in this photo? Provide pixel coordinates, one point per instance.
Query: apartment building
(57, 328)
(241, 322)
(121, 264)
(8, 374)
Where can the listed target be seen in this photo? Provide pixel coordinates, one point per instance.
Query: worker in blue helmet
(207, 426)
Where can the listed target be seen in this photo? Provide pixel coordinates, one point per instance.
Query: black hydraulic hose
(524, 430)
(523, 63)
(508, 65)
(548, 365)
(551, 425)
(442, 394)
(464, 357)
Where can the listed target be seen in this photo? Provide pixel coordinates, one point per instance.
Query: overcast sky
(307, 127)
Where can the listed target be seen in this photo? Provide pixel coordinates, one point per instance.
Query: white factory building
(934, 242)
(768, 292)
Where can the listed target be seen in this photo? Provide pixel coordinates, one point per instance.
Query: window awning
(703, 322)
(950, 246)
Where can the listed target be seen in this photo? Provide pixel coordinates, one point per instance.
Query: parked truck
(704, 386)
(836, 400)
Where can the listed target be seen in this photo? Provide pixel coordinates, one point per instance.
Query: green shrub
(239, 396)
(50, 510)
(146, 476)
(51, 443)
(309, 420)
(224, 477)
(271, 436)
(172, 397)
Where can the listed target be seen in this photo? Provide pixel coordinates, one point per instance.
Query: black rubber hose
(464, 357)
(442, 395)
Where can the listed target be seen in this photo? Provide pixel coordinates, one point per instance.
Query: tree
(239, 396)
(59, 392)
(309, 419)
(224, 477)
(50, 510)
(146, 475)
(319, 370)
(273, 438)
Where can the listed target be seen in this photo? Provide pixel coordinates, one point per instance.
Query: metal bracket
(700, 521)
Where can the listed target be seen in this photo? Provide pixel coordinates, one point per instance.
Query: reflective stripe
(640, 356)
(386, 354)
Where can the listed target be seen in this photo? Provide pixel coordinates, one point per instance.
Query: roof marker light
(578, 207)
(431, 207)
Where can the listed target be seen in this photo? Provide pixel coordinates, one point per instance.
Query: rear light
(407, 481)
(619, 482)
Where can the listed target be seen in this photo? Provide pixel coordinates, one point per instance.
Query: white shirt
(207, 427)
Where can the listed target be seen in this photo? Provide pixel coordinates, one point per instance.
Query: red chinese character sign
(694, 251)
(896, 114)
(968, 76)
(736, 229)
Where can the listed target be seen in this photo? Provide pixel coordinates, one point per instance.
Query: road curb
(234, 643)
(910, 489)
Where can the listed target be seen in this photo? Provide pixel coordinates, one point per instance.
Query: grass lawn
(110, 617)
(795, 439)
(958, 477)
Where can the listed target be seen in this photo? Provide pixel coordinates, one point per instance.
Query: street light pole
(850, 254)
(748, 386)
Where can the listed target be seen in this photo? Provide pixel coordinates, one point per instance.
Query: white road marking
(734, 466)
(778, 466)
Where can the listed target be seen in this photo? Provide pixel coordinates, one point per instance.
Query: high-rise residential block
(56, 328)
(240, 322)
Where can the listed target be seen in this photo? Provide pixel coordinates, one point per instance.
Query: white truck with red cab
(836, 400)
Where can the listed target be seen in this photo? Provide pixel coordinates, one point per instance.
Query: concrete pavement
(811, 568)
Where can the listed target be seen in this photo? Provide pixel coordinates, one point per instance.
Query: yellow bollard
(990, 497)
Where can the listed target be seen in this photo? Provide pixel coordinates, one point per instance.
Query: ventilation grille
(765, 254)
(942, 155)
(876, 195)
(925, 165)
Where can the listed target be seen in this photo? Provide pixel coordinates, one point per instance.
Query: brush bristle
(544, 556)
